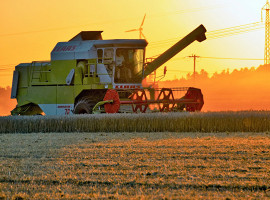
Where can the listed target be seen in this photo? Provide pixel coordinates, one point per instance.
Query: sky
(31, 28)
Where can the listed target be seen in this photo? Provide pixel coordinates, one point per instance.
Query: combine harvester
(90, 75)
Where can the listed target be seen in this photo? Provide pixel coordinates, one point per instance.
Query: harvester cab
(113, 62)
(90, 75)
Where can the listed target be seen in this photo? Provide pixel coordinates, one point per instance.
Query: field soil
(135, 166)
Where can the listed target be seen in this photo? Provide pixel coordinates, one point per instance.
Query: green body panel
(60, 70)
(53, 94)
(22, 96)
(90, 81)
(79, 88)
(78, 77)
(39, 75)
(65, 95)
(42, 95)
(46, 84)
(24, 75)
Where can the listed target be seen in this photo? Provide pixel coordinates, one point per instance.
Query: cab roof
(87, 35)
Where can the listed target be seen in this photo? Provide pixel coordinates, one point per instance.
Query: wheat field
(152, 165)
(244, 121)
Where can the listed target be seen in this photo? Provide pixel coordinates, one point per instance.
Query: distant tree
(203, 74)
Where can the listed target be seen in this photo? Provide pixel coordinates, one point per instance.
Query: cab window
(100, 55)
(128, 65)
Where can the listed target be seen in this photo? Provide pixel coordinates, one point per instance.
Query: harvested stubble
(244, 121)
(135, 166)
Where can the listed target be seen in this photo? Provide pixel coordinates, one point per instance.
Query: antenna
(266, 7)
(139, 29)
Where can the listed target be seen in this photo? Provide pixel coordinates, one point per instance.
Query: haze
(31, 28)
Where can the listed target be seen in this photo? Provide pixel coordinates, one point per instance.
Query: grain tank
(88, 74)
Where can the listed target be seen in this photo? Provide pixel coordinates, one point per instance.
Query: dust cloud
(244, 89)
(6, 104)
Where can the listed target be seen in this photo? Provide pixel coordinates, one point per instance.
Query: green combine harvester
(90, 75)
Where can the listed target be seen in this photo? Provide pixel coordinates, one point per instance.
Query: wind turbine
(139, 29)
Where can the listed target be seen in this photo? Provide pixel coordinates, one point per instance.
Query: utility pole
(194, 58)
(266, 7)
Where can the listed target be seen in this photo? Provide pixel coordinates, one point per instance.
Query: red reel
(166, 95)
(140, 99)
(115, 105)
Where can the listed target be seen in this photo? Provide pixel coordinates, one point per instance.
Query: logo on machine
(66, 108)
(64, 48)
(127, 87)
(63, 106)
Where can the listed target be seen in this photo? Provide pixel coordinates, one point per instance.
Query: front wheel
(83, 107)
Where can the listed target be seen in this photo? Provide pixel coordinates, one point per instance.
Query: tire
(86, 103)
(83, 106)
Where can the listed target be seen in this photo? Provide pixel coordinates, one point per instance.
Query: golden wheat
(244, 121)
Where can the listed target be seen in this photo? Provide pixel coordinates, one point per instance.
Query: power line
(219, 58)
(108, 21)
(63, 28)
(192, 10)
(7, 68)
(232, 33)
(181, 71)
(232, 58)
(237, 27)
(178, 71)
(8, 65)
(220, 33)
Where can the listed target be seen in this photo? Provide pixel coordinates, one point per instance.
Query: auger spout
(197, 34)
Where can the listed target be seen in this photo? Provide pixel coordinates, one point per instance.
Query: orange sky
(31, 28)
